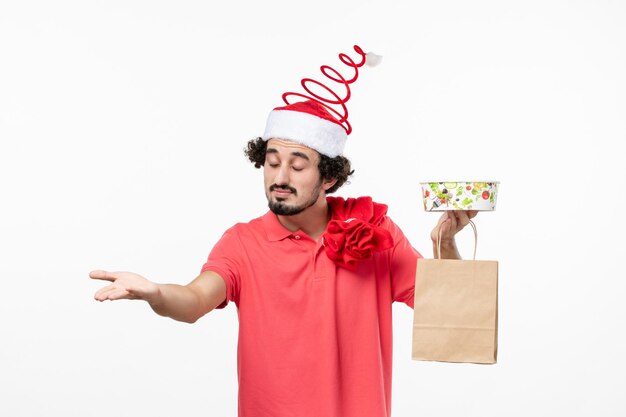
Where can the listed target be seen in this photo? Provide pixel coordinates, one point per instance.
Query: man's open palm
(124, 285)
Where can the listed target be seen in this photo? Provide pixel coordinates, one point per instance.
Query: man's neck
(311, 221)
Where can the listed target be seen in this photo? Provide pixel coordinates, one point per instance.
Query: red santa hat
(314, 122)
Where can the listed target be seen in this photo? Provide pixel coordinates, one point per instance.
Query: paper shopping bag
(456, 310)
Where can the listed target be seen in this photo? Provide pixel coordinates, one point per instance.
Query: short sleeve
(224, 261)
(402, 265)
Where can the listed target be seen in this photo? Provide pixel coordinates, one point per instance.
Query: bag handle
(475, 241)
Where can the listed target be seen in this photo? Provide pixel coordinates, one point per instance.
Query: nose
(282, 175)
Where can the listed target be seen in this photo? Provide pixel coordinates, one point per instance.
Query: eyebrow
(296, 153)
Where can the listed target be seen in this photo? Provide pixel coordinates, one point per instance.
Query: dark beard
(282, 209)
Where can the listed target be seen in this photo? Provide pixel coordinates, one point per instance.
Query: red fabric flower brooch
(354, 233)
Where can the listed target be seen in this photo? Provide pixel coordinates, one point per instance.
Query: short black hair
(337, 168)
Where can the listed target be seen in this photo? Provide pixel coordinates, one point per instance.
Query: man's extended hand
(125, 285)
(450, 223)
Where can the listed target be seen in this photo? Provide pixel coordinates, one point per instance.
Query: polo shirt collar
(275, 231)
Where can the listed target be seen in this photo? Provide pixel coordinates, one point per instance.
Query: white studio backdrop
(122, 125)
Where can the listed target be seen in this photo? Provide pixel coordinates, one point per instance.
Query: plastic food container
(460, 195)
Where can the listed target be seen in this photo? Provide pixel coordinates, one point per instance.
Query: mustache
(283, 187)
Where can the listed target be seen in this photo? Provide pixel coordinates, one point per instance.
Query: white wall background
(122, 125)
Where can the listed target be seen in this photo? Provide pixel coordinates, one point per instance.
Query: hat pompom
(372, 59)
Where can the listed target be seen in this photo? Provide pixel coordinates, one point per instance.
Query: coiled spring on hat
(334, 75)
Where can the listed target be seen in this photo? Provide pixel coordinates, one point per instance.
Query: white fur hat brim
(324, 136)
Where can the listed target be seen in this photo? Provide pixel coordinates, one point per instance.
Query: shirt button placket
(318, 265)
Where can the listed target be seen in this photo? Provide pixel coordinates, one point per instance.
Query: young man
(313, 279)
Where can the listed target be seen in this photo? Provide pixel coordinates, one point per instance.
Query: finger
(103, 293)
(453, 221)
(445, 228)
(103, 275)
(472, 213)
(118, 294)
(438, 227)
(462, 219)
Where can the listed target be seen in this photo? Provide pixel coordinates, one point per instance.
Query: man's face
(292, 178)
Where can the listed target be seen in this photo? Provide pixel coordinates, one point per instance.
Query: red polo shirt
(315, 339)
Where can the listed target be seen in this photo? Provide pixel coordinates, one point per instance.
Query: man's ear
(328, 183)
